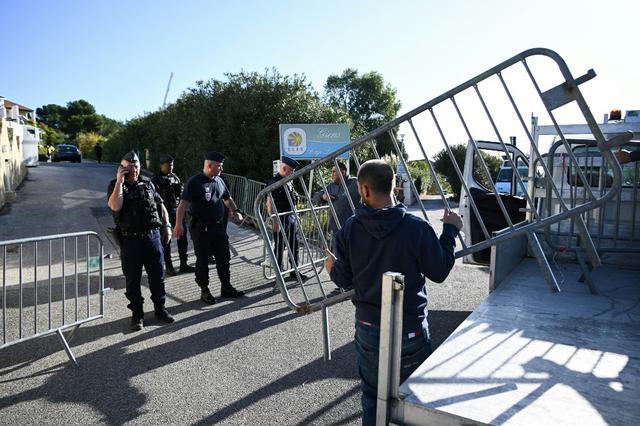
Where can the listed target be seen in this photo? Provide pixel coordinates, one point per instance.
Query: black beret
(166, 159)
(214, 156)
(290, 162)
(131, 157)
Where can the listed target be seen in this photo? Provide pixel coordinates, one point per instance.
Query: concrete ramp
(526, 356)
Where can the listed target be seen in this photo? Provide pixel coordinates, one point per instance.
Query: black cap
(214, 156)
(290, 162)
(131, 157)
(166, 159)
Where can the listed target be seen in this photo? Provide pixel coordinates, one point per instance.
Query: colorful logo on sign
(296, 141)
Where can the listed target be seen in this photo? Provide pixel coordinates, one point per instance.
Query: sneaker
(207, 297)
(231, 292)
(184, 268)
(137, 323)
(164, 316)
(336, 291)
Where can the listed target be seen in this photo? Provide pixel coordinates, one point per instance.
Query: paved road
(251, 361)
(58, 198)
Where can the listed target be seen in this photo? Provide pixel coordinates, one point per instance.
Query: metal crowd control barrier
(487, 107)
(42, 298)
(243, 191)
(614, 225)
(315, 238)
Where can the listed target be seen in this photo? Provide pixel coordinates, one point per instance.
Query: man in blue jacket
(383, 237)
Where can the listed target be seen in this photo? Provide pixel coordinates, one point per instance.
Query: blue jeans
(367, 340)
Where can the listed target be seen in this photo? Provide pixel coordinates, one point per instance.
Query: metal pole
(35, 288)
(390, 344)
(75, 261)
(64, 282)
(20, 283)
(4, 294)
(326, 337)
(49, 267)
(88, 278)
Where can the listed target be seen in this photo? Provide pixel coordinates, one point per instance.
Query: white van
(506, 181)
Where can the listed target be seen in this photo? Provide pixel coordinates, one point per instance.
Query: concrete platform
(526, 356)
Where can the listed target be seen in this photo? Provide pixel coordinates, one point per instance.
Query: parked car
(65, 152)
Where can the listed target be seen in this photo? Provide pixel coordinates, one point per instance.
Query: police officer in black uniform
(204, 198)
(170, 189)
(143, 221)
(288, 219)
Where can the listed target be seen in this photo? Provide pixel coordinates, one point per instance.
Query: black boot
(137, 323)
(229, 291)
(207, 297)
(169, 269)
(164, 316)
(185, 268)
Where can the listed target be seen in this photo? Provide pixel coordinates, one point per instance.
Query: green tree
(367, 100)
(52, 115)
(108, 126)
(444, 166)
(238, 116)
(80, 116)
(420, 169)
(50, 136)
(76, 117)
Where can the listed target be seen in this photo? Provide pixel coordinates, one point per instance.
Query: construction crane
(164, 102)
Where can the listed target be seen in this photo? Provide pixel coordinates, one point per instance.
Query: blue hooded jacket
(375, 241)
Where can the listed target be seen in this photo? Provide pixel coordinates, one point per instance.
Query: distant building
(18, 146)
(31, 135)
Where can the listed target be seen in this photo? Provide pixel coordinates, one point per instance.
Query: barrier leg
(67, 349)
(536, 248)
(586, 275)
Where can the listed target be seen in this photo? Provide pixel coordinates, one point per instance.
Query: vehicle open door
(511, 187)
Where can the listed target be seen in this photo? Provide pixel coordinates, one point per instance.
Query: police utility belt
(209, 225)
(139, 234)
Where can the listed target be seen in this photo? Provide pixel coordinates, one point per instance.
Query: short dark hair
(342, 166)
(378, 175)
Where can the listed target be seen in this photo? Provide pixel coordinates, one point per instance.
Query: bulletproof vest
(139, 211)
(170, 189)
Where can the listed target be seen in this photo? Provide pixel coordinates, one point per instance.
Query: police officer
(143, 220)
(170, 189)
(336, 194)
(283, 206)
(204, 198)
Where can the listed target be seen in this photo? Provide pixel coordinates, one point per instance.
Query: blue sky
(118, 54)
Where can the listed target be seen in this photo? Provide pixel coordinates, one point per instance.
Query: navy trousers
(144, 251)
(211, 240)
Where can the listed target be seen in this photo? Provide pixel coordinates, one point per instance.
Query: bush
(86, 142)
